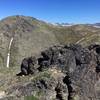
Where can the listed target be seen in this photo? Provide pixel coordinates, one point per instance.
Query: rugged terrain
(63, 72)
(59, 69)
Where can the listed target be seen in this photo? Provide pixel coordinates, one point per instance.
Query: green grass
(42, 75)
(30, 98)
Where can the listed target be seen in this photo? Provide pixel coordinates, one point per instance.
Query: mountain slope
(30, 36)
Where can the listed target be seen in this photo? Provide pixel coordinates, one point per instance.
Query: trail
(86, 38)
(80, 40)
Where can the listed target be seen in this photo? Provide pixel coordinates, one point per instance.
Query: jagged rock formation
(75, 73)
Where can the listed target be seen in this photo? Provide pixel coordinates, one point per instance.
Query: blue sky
(71, 11)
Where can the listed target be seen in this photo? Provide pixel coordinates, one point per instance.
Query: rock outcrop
(74, 73)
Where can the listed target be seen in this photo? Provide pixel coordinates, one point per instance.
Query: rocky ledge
(65, 72)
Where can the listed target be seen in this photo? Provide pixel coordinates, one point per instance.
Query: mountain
(97, 24)
(24, 36)
(31, 35)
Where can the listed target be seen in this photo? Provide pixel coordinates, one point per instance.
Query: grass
(30, 98)
(41, 75)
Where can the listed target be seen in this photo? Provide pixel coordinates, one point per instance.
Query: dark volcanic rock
(81, 67)
(28, 66)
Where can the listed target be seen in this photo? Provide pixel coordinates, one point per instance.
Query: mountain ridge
(39, 34)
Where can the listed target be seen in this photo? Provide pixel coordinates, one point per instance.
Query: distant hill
(97, 24)
(30, 36)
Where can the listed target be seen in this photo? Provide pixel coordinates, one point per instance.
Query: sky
(53, 11)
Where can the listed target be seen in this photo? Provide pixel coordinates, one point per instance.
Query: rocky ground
(63, 72)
